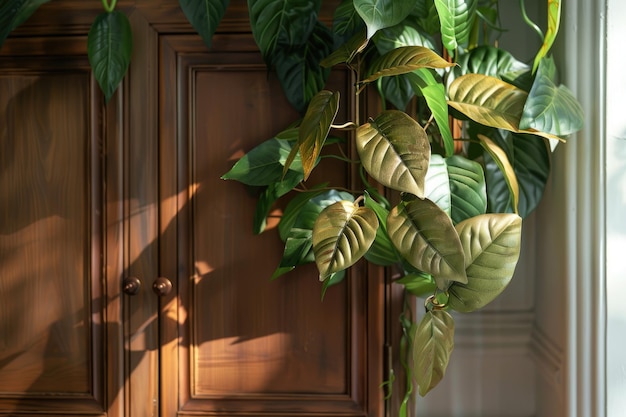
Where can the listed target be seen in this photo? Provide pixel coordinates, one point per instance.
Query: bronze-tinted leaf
(491, 243)
(342, 234)
(425, 237)
(432, 346)
(395, 151)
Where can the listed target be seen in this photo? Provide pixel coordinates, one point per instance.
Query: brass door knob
(162, 286)
(131, 285)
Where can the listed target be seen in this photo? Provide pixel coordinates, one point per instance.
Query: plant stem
(107, 7)
(529, 22)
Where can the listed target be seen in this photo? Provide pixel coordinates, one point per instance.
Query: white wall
(616, 208)
(554, 345)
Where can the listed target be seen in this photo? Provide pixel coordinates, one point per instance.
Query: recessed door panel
(239, 342)
(51, 294)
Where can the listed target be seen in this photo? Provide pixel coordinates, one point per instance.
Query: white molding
(548, 357)
(500, 330)
(582, 175)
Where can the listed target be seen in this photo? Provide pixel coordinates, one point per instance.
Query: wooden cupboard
(95, 195)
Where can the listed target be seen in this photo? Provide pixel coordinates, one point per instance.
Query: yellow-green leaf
(500, 158)
(424, 235)
(488, 100)
(491, 243)
(404, 60)
(395, 151)
(314, 130)
(432, 346)
(342, 234)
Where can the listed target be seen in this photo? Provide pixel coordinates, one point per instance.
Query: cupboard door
(55, 311)
(234, 342)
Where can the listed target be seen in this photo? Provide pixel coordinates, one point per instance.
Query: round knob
(131, 285)
(162, 286)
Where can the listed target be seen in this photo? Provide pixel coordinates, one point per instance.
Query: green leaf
(379, 14)
(554, 19)
(426, 15)
(269, 196)
(488, 100)
(418, 283)
(456, 18)
(530, 158)
(9, 11)
(296, 226)
(550, 108)
(491, 102)
(405, 33)
(342, 234)
(28, 8)
(314, 129)
(299, 70)
(425, 237)
(279, 24)
(491, 243)
(502, 160)
(467, 187)
(432, 345)
(334, 279)
(424, 82)
(437, 185)
(109, 48)
(346, 23)
(403, 60)
(298, 246)
(264, 164)
(347, 51)
(489, 60)
(204, 16)
(382, 252)
(395, 151)
(396, 90)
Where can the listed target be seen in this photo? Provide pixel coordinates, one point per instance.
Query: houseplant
(440, 208)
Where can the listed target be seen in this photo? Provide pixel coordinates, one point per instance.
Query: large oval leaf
(432, 345)
(204, 16)
(395, 151)
(296, 226)
(456, 18)
(346, 23)
(551, 108)
(467, 188)
(405, 33)
(281, 23)
(379, 14)
(299, 70)
(425, 237)
(491, 243)
(109, 48)
(314, 130)
(488, 100)
(342, 234)
(489, 60)
(403, 60)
